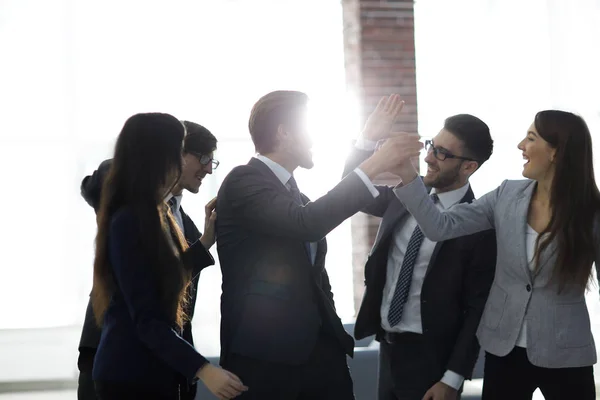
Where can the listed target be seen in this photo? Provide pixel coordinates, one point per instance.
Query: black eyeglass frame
(442, 154)
(204, 159)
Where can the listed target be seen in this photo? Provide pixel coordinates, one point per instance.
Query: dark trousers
(87, 389)
(326, 375)
(122, 391)
(514, 377)
(85, 383)
(407, 369)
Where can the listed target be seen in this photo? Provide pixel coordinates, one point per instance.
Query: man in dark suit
(279, 329)
(423, 300)
(199, 146)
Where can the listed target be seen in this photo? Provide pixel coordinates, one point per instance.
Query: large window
(72, 72)
(503, 61)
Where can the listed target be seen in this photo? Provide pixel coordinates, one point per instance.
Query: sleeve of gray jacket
(460, 220)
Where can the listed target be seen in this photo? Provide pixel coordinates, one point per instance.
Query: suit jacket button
(528, 287)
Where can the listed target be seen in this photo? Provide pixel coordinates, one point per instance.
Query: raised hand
(396, 153)
(220, 382)
(208, 237)
(380, 122)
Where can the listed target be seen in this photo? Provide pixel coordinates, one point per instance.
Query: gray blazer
(558, 325)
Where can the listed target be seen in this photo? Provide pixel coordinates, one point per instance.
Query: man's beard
(305, 160)
(444, 179)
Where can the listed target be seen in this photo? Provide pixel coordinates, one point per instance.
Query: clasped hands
(400, 149)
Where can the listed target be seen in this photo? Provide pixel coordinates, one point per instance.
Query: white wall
(503, 61)
(73, 71)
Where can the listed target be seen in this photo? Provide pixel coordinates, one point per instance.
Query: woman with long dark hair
(536, 327)
(140, 279)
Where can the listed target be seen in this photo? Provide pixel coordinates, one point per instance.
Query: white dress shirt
(176, 210)
(284, 176)
(532, 236)
(411, 314)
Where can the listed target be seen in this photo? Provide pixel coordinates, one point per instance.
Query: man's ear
(281, 135)
(281, 130)
(471, 166)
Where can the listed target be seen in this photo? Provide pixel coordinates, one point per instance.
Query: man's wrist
(407, 173)
(370, 168)
(365, 143)
(206, 242)
(452, 379)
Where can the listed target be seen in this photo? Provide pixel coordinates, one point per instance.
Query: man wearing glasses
(423, 300)
(198, 148)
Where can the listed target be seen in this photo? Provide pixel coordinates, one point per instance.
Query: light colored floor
(72, 395)
(53, 395)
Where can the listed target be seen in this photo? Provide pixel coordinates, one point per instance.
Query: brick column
(379, 47)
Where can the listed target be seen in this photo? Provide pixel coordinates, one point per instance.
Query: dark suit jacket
(91, 188)
(140, 344)
(455, 289)
(274, 299)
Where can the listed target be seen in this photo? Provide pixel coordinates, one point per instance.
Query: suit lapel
(321, 253)
(521, 211)
(266, 171)
(547, 258)
(467, 198)
(395, 212)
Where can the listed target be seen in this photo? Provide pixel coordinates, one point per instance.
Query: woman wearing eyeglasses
(535, 328)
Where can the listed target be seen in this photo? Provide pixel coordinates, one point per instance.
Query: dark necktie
(406, 272)
(295, 192)
(172, 204)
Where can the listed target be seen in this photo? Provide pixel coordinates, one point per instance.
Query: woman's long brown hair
(574, 197)
(146, 165)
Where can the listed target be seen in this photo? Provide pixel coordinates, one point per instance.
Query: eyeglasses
(205, 160)
(442, 154)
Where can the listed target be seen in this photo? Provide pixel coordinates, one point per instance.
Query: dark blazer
(91, 189)
(274, 299)
(454, 292)
(140, 345)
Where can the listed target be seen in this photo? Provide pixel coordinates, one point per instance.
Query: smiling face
(538, 156)
(451, 173)
(193, 172)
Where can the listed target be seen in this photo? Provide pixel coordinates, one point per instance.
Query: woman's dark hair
(574, 197)
(145, 167)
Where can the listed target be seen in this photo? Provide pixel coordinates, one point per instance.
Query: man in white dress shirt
(424, 300)
(279, 329)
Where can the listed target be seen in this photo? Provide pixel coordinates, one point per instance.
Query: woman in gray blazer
(536, 327)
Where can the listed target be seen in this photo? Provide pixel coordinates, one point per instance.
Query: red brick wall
(380, 59)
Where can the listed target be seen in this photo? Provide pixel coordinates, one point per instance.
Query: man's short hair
(271, 110)
(475, 135)
(198, 139)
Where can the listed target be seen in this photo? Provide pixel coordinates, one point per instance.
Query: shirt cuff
(365, 144)
(453, 379)
(367, 182)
